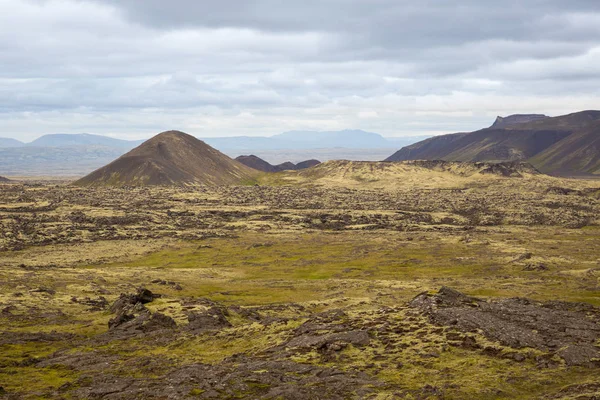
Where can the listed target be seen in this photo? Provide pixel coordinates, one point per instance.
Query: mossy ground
(358, 272)
(288, 253)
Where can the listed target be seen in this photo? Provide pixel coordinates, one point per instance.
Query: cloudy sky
(132, 68)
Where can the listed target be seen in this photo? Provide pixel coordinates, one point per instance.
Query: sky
(133, 68)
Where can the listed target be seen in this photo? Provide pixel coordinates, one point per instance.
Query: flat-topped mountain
(170, 158)
(503, 122)
(259, 164)
(564, 145)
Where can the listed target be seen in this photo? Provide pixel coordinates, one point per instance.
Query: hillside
(7, 142)
(559, 145)
(259, 164)
(406, 174)
(3, 179)
(580, 152)
(170, 158)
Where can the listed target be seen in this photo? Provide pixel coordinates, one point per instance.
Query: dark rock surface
(569, 330)
(244, 379)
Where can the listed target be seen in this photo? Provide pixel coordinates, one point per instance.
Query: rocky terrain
(482, 281)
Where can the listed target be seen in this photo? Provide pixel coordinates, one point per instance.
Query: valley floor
(486, 291)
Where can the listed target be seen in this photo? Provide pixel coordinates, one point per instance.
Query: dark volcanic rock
(331, 340)
(571, 330)
(242, 379)
(212, 318)
(133, 317)
(127, 301)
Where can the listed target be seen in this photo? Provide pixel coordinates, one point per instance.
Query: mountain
(56, 161)
(578, 153)
(170, 158)
(259, 164)
(82, 139)
(7, 142)
(80, 154)
(307, 164)
(567, 144)
(503, 122)
(301, 140)
(345, 138)
(4, 180)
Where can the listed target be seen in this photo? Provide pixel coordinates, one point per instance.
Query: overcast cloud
(132, 68)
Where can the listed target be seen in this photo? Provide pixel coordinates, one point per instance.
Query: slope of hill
(566, 144)
(578, 153)
(82, 139)
(7, 142)
(170, 158)
(421, 174)
(307, 164)
(4, 180)
(259, 164)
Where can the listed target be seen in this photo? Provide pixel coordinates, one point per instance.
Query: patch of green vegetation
(196, 392)
(34, 380)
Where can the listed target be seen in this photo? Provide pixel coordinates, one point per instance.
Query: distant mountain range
(567, 145)
(78, 154)
(351, 139)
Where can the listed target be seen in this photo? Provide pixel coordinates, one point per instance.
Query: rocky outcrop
(569, 330)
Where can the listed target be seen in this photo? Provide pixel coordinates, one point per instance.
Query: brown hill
(561, 145)
(3, 179)
(170, 158)
(307, 164)
(259, 164)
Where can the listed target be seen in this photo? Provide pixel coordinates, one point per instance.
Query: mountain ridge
(547, 142)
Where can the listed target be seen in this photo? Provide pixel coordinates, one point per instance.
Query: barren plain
(418, 282)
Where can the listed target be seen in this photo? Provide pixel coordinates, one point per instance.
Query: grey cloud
(259, 66)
